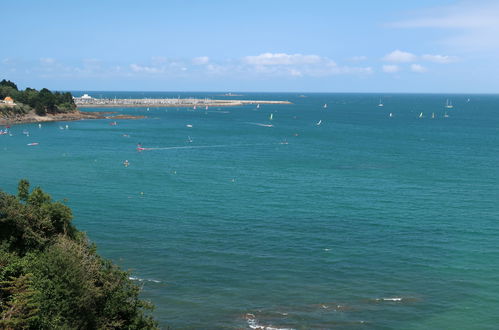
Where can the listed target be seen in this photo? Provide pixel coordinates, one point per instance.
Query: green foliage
(23, 190)
(43, 101)
(21, 309)
(8, 83)
(52, 278)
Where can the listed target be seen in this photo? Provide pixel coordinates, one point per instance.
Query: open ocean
(365, 221)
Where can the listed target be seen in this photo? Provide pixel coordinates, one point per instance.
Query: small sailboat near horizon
(432, 115)
(448, 104)
(319, 122)
(421, 115)
(390, 115)
(271, 116)
(380, 104)
(325, 106)
(258, 106)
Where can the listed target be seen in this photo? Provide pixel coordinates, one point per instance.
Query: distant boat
(380, 104)
(432, 115)
(271, 116)
(189, 139)
(325, 105)
(4, 132)
(33, 144)
(258, 106)
(112, 123)
(446, 115)
(194, 108)
(448, 104)
(390, 115)
(206, 108)
(188, 125)
(319, 122)
(421, 115)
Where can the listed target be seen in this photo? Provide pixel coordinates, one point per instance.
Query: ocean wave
(133, 278)
(253, 324)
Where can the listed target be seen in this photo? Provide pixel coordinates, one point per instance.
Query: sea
(337, 213)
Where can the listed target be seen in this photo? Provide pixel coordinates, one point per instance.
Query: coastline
(32, 117)
(171, 103)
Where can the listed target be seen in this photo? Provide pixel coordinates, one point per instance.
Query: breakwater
(90, 102)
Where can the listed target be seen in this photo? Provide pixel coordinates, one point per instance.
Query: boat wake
(203, 147)
(262, 125)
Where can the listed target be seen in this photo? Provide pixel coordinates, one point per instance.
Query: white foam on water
(390, 299)
(202, 147)
(133, 278)
(260, 124)
(253, 324)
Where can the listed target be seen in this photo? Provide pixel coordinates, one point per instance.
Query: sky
(423, 46)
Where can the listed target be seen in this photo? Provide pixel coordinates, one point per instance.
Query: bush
(52, 277)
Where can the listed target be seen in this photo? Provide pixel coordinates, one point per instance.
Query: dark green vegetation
(43, 101)
(51, 276)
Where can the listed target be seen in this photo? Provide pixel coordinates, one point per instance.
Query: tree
(51, 275)
(8, 83)
(23, 190)
(21, 309)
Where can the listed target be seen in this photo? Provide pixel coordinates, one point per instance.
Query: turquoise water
(361, 222)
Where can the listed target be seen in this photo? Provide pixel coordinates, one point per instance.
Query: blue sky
(296, 46)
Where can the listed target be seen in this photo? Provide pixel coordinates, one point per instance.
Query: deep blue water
(363, 222)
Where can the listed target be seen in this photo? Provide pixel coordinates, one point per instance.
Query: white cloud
(399, 57)
(390, 68)
(145, 69)
(358, 58)
(47, 60)
(296, 65)
(281, 59)
(200, 60)
(439, 58)
(418, 68)
(471, 25)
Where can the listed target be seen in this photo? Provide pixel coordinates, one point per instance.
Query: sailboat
(271, 116)
(319, 122)
(325, 105)
(391, 115)
(448, 104)
(432, 115)
(380, 104)
(421, 115)
(258, 106)
(446, 115)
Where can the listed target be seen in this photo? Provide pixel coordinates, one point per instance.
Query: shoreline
(167, 103)
(32, 117)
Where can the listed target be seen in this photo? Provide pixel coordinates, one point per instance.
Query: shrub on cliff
(50, 275)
